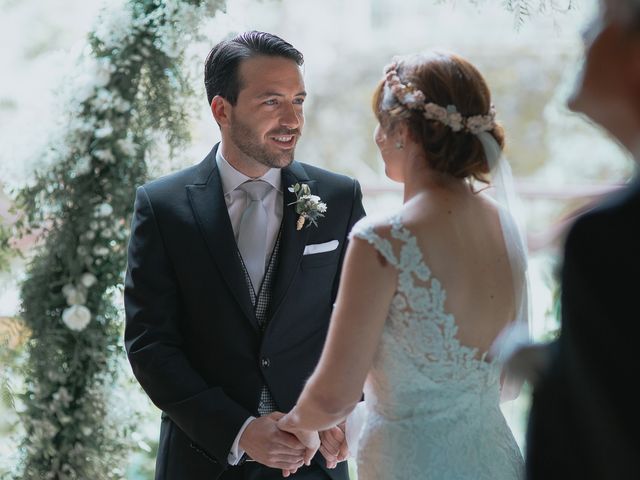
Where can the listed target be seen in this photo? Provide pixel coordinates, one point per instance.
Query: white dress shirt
(236, 201)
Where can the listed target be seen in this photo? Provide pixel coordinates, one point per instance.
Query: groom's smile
(286, 140)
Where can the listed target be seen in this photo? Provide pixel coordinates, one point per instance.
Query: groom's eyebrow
(303, 93)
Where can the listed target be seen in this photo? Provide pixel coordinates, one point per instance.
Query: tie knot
(256, 190)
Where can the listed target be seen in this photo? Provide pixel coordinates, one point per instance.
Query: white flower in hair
(414, 99)
(448, 116)
(455, 120)
(482, 123)
(406, 94)
(435, 112)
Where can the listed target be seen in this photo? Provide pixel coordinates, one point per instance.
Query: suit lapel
(293, 241)
(210, 210)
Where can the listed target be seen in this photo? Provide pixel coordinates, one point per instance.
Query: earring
(399, 145)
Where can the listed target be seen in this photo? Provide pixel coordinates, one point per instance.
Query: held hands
(267, 444)
(334, 446)
(332, 443)
(274, 441)
(309, 438)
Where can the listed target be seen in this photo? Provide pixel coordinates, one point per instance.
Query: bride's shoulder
(373, 226)
(372, 241)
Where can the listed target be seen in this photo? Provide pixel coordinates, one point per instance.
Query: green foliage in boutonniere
(308, 207)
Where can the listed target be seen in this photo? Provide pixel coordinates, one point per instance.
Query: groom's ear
(220, 109)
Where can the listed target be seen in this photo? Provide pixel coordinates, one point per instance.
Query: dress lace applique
(433, 403)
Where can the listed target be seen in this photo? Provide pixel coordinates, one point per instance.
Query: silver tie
(252, 233)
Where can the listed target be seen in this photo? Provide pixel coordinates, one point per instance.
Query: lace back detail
(432, 403)
(429, 332)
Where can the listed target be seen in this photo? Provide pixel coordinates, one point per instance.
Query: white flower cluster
(312, 202)
(96, 136)
(77, 316)
(308, 206)
(95, 73)
(172, 23)
(115, 26)
(449, 116)
(89, 415)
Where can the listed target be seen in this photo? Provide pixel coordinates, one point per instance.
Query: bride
(426, 292)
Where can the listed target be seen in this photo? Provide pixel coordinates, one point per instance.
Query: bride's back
(460, 237)
(432, 394)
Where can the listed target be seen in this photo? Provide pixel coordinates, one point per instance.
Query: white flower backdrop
(126, 88)
(77, 141)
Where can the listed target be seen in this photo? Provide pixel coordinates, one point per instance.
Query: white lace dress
(432, 404)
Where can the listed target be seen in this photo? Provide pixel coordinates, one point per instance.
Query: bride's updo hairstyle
(445, 80)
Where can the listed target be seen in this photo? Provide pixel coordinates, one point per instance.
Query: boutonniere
(308, 207)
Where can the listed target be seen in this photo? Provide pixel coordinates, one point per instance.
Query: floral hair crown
(414, 99)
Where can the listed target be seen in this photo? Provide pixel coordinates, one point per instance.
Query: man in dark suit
(585, 423)
(228, 291)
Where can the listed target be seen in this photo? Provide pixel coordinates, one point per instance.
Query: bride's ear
(401, 135)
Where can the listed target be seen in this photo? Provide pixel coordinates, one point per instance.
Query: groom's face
(267, 120)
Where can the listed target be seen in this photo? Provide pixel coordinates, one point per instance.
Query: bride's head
(432, 106)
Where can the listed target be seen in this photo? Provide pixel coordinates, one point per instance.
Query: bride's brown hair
(445, 79)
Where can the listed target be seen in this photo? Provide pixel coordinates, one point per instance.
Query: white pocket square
(321, 247)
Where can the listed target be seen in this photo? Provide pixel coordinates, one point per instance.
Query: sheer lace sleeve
(365, 230)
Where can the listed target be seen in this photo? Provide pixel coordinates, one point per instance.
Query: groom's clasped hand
(265, 443)
(268, 442)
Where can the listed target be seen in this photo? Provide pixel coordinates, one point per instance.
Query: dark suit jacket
(585, 423)
(191, 333)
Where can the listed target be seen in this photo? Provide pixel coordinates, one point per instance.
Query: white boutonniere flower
(308, 207)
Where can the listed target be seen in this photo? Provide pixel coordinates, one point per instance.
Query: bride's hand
(529, 362)
(309, 438)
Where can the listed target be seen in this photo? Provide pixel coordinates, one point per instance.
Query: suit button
(265, 362)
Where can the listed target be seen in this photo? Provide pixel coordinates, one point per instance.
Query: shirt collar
(232, 178)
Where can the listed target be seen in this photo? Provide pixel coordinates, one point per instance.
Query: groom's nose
(291, 118)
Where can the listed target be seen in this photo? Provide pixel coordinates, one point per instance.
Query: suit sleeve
(154, 344)
(598, 341)
(357, 212)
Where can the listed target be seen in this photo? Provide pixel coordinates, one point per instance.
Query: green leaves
(135, 93)
(6, 249)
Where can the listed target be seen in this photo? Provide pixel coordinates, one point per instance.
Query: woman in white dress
(425, 293)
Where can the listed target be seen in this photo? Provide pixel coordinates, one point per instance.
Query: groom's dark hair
(221, 66)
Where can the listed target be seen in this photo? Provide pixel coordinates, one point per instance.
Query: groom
(227, 299)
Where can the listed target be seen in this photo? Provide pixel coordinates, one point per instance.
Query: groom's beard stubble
(248, 143)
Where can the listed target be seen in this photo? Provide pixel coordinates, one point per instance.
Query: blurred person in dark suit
(584, 421)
